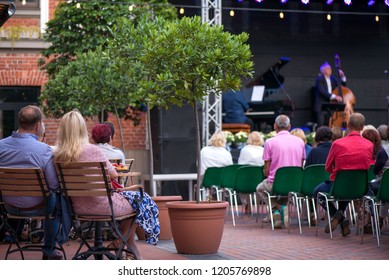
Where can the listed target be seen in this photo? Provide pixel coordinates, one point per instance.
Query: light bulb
(182, 11)
(281, 15)
(328, 16)
(24, 2)
(377, 18)
(131, 8)
(78, 5)
(232, 13)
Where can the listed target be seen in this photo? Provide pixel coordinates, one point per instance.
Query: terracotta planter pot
(164, 220)
(197, 228)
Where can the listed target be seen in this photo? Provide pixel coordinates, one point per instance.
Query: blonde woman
(252, 153)
(300, 133)
(73, 146)
(216, 154)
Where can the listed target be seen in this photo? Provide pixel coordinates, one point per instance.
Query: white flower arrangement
(241, 137)
(229, 136)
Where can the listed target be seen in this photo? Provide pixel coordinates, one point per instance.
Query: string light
(371, 2)
(282, 15)
(130, 8)
(329, 2)
(24, 2)
(78, 5)
(348, 2)
(284, 1)
(182, 11)
(377, 18)
(328, 17)
(232, 13)
(305, 2)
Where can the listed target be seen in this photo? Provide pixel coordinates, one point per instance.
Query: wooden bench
(236, 127)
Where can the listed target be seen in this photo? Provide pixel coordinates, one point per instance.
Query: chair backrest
(383, 191)
(212, 177)
(371, 174)
(287, 179)
(228, 175)
(23, 182)
(84, 179)
(247, 178)
(313, 175)
(350, 184)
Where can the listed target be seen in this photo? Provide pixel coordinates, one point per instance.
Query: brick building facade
(20, 76)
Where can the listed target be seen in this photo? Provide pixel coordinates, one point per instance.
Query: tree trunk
(197, 150)
(151, 160)
(120, 128)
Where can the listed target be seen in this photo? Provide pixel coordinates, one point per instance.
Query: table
(157, 178)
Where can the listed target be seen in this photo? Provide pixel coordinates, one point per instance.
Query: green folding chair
(287, 179)
(211, 181)
(246, 182)
(348, 185)
(377, 201)
(228, 184)
(313, 175)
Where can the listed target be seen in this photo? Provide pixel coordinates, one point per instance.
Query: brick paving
(248, 241)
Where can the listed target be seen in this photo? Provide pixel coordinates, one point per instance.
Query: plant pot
(197, 228)
(164, 220)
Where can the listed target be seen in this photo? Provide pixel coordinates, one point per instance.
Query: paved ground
(248, 241)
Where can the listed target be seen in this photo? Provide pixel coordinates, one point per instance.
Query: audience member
(216, 154)
(350, 152)
(73, 146)
(323, 140)
(281, 150)
(373, 136)
(252, 153)
(337, 133)
(301, 134)
(383, 130)
(23, 149)
(101, 135)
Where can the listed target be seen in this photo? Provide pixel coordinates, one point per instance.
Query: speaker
(174, 140)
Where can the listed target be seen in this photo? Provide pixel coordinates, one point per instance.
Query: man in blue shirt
(23, 149)
(234, 106)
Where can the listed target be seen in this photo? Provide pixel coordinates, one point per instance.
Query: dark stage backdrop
(309, 40)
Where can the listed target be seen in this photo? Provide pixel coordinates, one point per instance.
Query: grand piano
(275, 99)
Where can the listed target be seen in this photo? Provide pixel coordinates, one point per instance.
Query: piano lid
(271, 78)
(6, 11)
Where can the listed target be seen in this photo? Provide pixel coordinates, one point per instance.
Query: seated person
(73, 146)
(300, 133)
(216, 154)
(23, 149)
(323, 140)
(101, 135)
(234, 106)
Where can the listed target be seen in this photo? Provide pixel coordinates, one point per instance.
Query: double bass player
(326, 83)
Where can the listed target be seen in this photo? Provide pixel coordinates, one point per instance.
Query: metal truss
(211, 12)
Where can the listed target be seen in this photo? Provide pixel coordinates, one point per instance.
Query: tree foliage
(81, 27)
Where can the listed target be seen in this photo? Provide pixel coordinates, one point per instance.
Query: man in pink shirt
(281, 150)
(350, 152)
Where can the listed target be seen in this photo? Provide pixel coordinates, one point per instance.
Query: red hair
(101, 133)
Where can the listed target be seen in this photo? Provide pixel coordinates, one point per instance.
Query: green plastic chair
(380, 199)
(211, 180)
(246, 182)
(348, 185)
(287, 179)
(371, 174)
(228, 184)
(313, 175)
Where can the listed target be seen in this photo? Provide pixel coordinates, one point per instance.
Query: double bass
(340, 119)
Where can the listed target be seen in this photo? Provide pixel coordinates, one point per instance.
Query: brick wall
(20, 68)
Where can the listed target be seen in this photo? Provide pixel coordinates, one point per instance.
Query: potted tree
(180, 62)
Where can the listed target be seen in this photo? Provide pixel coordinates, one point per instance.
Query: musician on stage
(325, 84)
(234, 106)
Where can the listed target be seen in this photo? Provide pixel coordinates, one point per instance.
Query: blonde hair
(72, 134)
(299, 133)
(218, 139)
(255, 138)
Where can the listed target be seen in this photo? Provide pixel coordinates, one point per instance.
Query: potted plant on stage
(180, 62)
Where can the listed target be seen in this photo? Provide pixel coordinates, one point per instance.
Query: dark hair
(373, 136)
(101, 133)
(323, 134)
(29, 116)
(111, 127)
